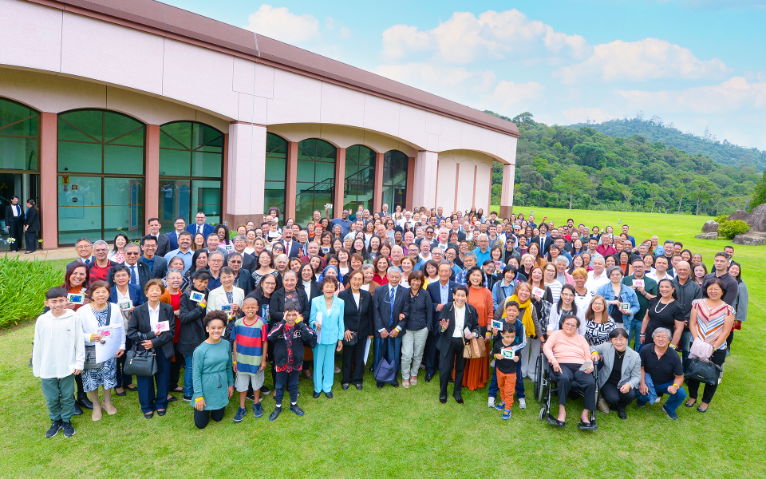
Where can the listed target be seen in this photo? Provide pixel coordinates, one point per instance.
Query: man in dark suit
(291, 246)
(200, 226)
(139, 271)
(84, 249)
(390, 306)
(384, 211)
(180, 225)
(163, 243)
(248, 260)
(543, 241)
(243, 278)
(31, 226)
(14, 222)
(158, 266)
(455, 318)
(441, 295)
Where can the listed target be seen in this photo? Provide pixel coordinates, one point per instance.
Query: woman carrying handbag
(357, 316)
(152, 328)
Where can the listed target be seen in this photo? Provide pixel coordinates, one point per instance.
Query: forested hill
(565, 167)
(655, 130)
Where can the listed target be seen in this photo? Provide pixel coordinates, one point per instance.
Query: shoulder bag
(90, 350)
(703, 371)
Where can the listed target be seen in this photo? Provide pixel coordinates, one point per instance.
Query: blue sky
(696, 63)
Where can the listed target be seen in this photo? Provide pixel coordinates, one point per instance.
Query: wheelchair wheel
(543, 412)
(539, 378)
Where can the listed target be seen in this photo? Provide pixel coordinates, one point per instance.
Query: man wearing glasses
(84, 250)
(180, 226)
(139, 271)
(200, 226)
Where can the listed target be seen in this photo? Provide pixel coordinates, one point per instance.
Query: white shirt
(459, 322)
(356, 298)
(365, 287)
(595, 282)
(154, 315)
(16, 210)
(653, 275)
(307, 287)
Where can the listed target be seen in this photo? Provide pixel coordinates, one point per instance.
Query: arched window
(191, 165)
(101, 175)
(276, 173)
(316, 178)
(359, 186)
(395, 168)
(19, 161)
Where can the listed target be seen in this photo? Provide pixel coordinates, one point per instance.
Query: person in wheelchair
(567, 352)
(619, 373)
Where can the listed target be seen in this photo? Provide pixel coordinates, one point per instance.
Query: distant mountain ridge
(655, 129)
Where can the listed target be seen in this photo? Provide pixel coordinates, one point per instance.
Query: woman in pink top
(566, 352)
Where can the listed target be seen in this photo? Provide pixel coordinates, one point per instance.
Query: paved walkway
(44, 254)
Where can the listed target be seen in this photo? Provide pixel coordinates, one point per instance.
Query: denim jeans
(188, 374)
(673, 402)
(493, 386)
(633, 327)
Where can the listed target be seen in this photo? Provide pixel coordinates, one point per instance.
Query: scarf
(526, 320)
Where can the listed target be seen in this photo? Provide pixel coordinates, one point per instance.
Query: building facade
(113, 112)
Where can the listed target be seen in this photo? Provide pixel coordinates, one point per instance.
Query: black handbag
(90, 351)
(139, 363)
(703, 371)
(354, 334)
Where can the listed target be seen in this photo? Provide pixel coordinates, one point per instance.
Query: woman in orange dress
(477, 369)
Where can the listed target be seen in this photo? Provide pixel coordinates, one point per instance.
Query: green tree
(759, 193)
(590, 154)
(701, 189)
(571, 181)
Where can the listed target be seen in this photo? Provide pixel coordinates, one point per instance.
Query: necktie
(87, 262)
(391, 316)
(199, 229)
(133, 275)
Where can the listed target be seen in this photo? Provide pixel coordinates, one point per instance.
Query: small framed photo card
(638, 283)
(508, 353)
(625, 306)
(126, 305)
(196, 296)
(76, 298)
(497, 324)
(161, 327)
(229, 248)
(226, 308)
(538, 292)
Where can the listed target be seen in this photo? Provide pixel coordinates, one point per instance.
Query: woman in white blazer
(618, 389)
(95, 318)
(226, 294)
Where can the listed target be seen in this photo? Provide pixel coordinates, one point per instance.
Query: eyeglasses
(234, 261)
(131, 254)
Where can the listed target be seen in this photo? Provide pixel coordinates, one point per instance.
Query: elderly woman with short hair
(618, 295)
(619, 374)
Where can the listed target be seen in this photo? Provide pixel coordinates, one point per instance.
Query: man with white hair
(482, 251)
(598, 276)
(442, 240)
(384, 212)
(390, 305)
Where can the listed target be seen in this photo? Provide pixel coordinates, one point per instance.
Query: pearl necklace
(658, 304)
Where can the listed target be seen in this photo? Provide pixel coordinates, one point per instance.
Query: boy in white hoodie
(58, 355)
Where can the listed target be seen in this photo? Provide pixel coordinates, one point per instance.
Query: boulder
(713, 235)
(739, 215)
(757, 218)
(751, 239)
(709, 227)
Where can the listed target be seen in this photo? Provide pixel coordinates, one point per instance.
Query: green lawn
(398, 432)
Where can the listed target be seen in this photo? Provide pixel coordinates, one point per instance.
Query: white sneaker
(522, 403)
(491, 403)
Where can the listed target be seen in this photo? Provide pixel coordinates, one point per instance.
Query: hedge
(730, 229)
(22, 288)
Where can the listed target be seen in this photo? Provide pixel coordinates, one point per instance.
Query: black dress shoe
(443, 399)
(345, 386)
(161, 412)
(359, 386)
(622, 414)
(380, 385)
(429, 377)
(171, 399)
(77, 409)
(85, 402)
(328, 395)
(395, 384)
(134, 389)
(316, 395)
(459, 399)
(123, 393)
(149, 415)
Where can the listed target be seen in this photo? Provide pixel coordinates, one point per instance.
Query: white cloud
(465, 38)
(732, 95)
(582, 114)
(646, 59)
(280, 24)
(510, 95)
(332, 25)
(441, 80)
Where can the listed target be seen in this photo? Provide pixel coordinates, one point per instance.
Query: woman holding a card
(104, 334)
(327, 319)
(127, 297)
(621, 299)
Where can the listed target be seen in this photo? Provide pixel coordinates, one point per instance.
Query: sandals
(406, 383)
(414, 380)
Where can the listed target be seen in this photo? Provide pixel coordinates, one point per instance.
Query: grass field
(408, 433)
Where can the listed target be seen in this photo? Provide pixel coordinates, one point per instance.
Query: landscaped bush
(22, 288)
(720, 219)
(730, 229)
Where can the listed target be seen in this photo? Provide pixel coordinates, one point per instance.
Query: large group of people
(474, 297)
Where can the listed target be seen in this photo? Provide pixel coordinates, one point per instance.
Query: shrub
(730, 229)
(22, 288)
(720, 219)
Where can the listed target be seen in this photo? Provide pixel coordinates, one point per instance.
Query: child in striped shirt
(250, 353)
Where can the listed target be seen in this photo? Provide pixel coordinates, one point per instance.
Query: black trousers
(718, 357)
(353, 362)
(202, 418)
(30, 239)
(452, 356)
(175, 368)
(614, 397)
(16, 232)
(431, 354)
(572, 376)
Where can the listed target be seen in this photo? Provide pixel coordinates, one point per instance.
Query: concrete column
(49, 180)
(506, 197)
(291, 188)
(377, 196)
(425, 178)
(408, 204)
(340, 182)
(152, 175)
(245, 173)
(225, 184)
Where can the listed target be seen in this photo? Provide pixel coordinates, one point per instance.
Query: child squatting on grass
(57, 356)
